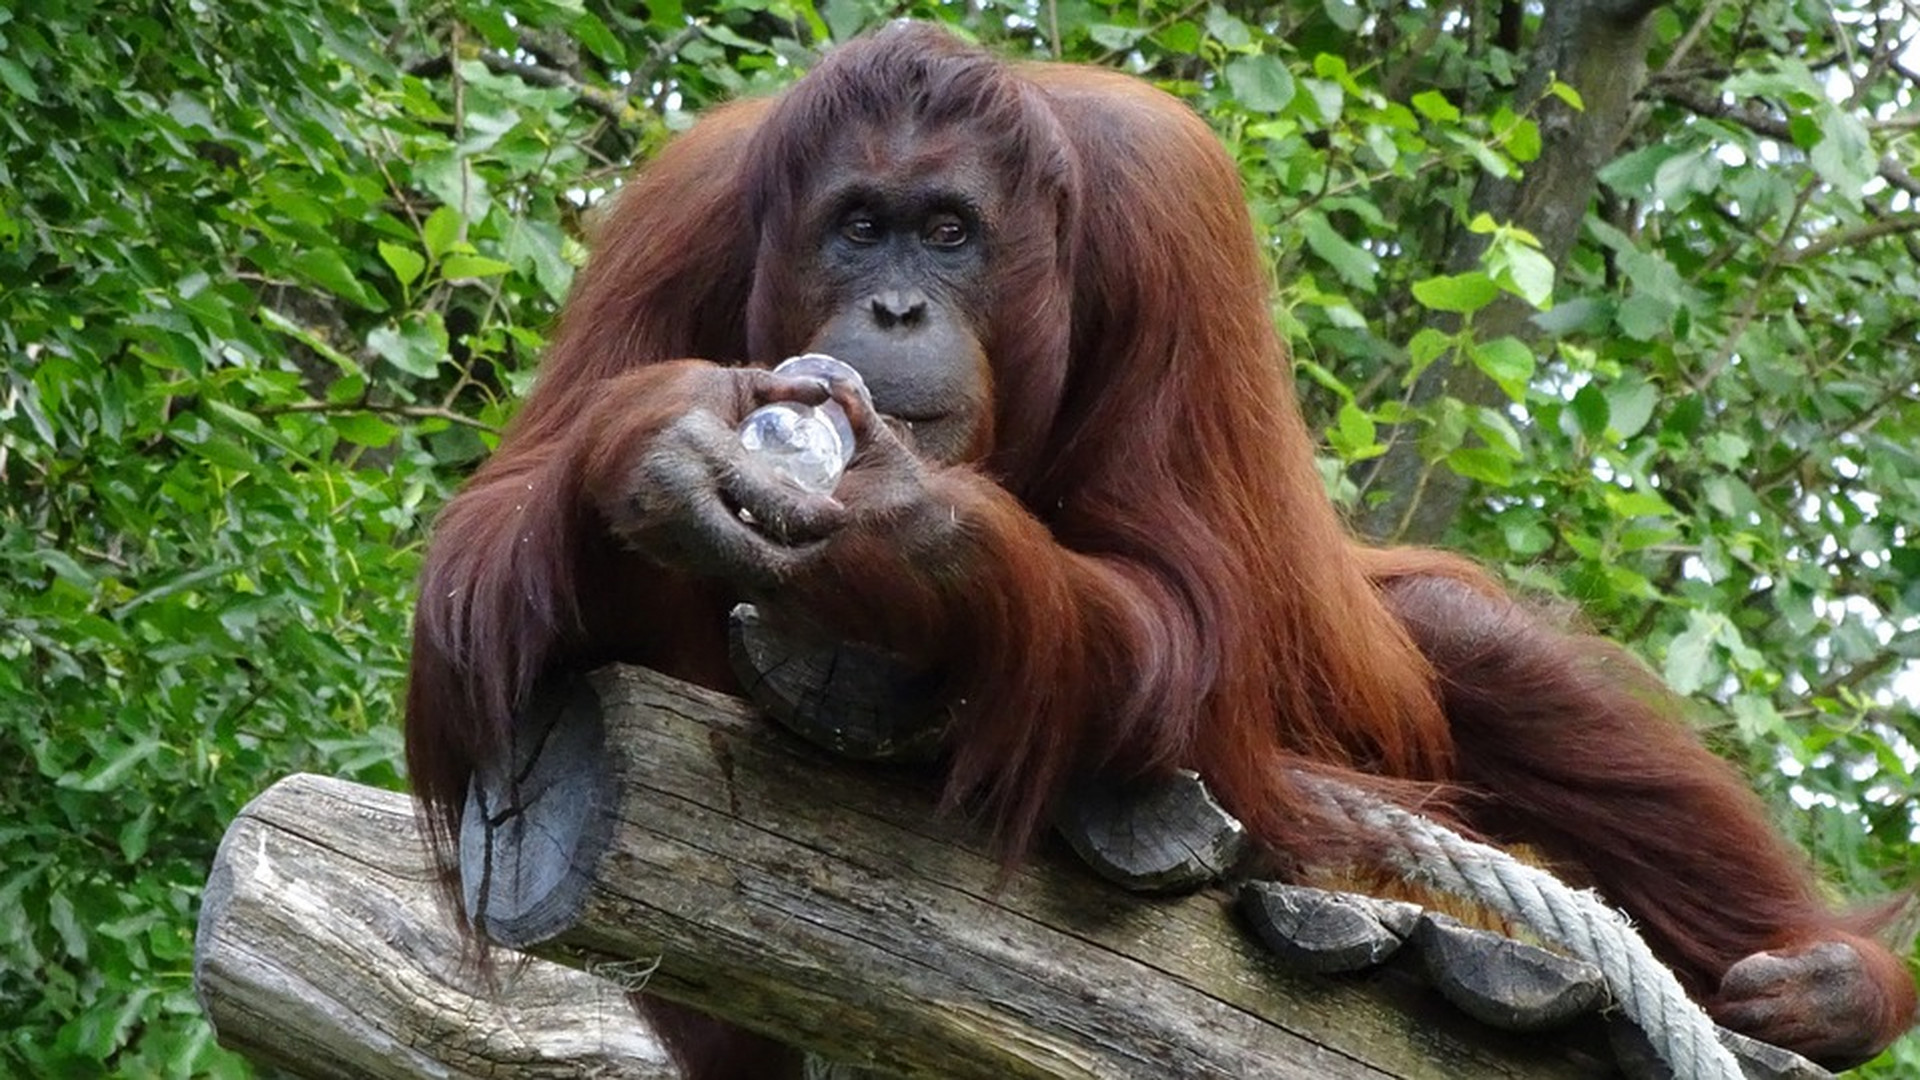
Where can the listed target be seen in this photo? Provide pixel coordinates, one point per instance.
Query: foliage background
(271, 274)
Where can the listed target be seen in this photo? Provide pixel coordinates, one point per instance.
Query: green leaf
(596, 37)
(1353, 436)
(1508, 362)
(725, 35)
(1590, 409)
(135, 835)
(1181, 37)
(846, 18)
(1525, 537)
(65, 567)
(1355, 265)
(1787, 78)
(405, 263)
(1630, 405)
(1462, 293)
(491, 22)
(1644, 317)
(1482, 464)
(1344, 14)
(1689, 661)
(236, 419)
(364, 429)
(1261, 83)
(1804, 130)
(1632, 174)
(1643, 536)
(1697, 171)
(1726, 449)
(1729, 497)
(441, 231)
(73, 935)
(1519, 135)
(1229, 31)
(1583, 315)
(540, 247)
(18, 79)
(326, 268)
(1334, 68)
(1493, 426)
(1120, 38)
(456, 267)
(1491, 160)
(1567, 94)
(1434, 105)
(1684, 418)
(274, 320)
(1521, 270)
(1329, 99)
(1638, 502)
(108, 775)
(1319, 374)
(416, 346)
(1427, 346)
(1844, 157)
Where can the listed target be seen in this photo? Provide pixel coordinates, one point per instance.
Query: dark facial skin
(896, 256)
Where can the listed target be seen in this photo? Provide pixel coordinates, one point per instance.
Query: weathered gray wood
(1507, 983)
(1327, 932)
(322, 952)
(859, 702)
(816, 1069)
(828, 904)
(821, 902)
(533, 826)
(1758, 1060)
(1165, 834)
(1159, 835)
(1765, 1061)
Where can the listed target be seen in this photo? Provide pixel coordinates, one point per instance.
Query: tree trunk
(1599, 48)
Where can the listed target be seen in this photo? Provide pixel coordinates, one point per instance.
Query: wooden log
(1505, 982)
(1758, 1060)
(530, 825)
(1165, 834)
(828, 904)
(849, 698)
(1327, 932)
(323, 951)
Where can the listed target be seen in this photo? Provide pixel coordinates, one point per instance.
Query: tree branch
(406, 412)
(1760, 123)
(610, 105)
(1891, 225)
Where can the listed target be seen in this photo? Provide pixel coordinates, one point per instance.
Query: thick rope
(1575, 919)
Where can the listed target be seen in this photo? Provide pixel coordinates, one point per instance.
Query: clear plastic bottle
(808, 445)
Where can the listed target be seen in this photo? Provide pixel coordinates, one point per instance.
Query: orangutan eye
(861, 229)
(945, 231)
